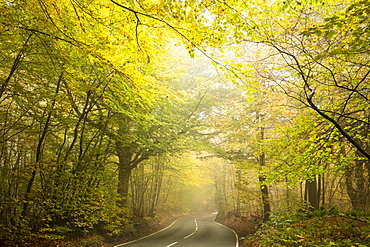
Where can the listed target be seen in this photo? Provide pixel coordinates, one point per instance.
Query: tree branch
(14, 68)
(339, 128)
(309, 98)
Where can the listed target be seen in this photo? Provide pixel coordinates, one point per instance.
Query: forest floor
(334, 230)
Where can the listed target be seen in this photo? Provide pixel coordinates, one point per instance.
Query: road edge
(133, 241)
(236, 235)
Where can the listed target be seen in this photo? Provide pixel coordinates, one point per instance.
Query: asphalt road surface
(189, 231)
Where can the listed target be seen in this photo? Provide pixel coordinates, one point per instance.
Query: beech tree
(320, 61)
(72, 77)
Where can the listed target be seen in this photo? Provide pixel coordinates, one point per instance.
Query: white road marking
(146, 236)
(191, 234)
(196, 229)
(171, 244)
(236, 235)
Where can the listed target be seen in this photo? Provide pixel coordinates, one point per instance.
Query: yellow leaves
(14, 199)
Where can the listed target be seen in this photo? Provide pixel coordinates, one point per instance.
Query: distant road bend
(189, 231)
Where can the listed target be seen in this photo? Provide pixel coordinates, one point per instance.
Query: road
(189, 231)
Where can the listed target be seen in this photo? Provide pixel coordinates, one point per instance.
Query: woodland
(116, 113)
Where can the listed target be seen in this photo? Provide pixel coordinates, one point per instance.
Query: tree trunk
(124, 172)
(265, 199)
(127, 161)
(264, 189)
(156, 186)
(312, 194)
(357, 183)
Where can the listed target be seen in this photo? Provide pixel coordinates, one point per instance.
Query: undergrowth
(324, 227)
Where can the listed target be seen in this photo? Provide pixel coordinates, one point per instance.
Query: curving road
(189, 231)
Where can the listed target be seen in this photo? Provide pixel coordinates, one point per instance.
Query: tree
(60, 70)
(321, 57)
